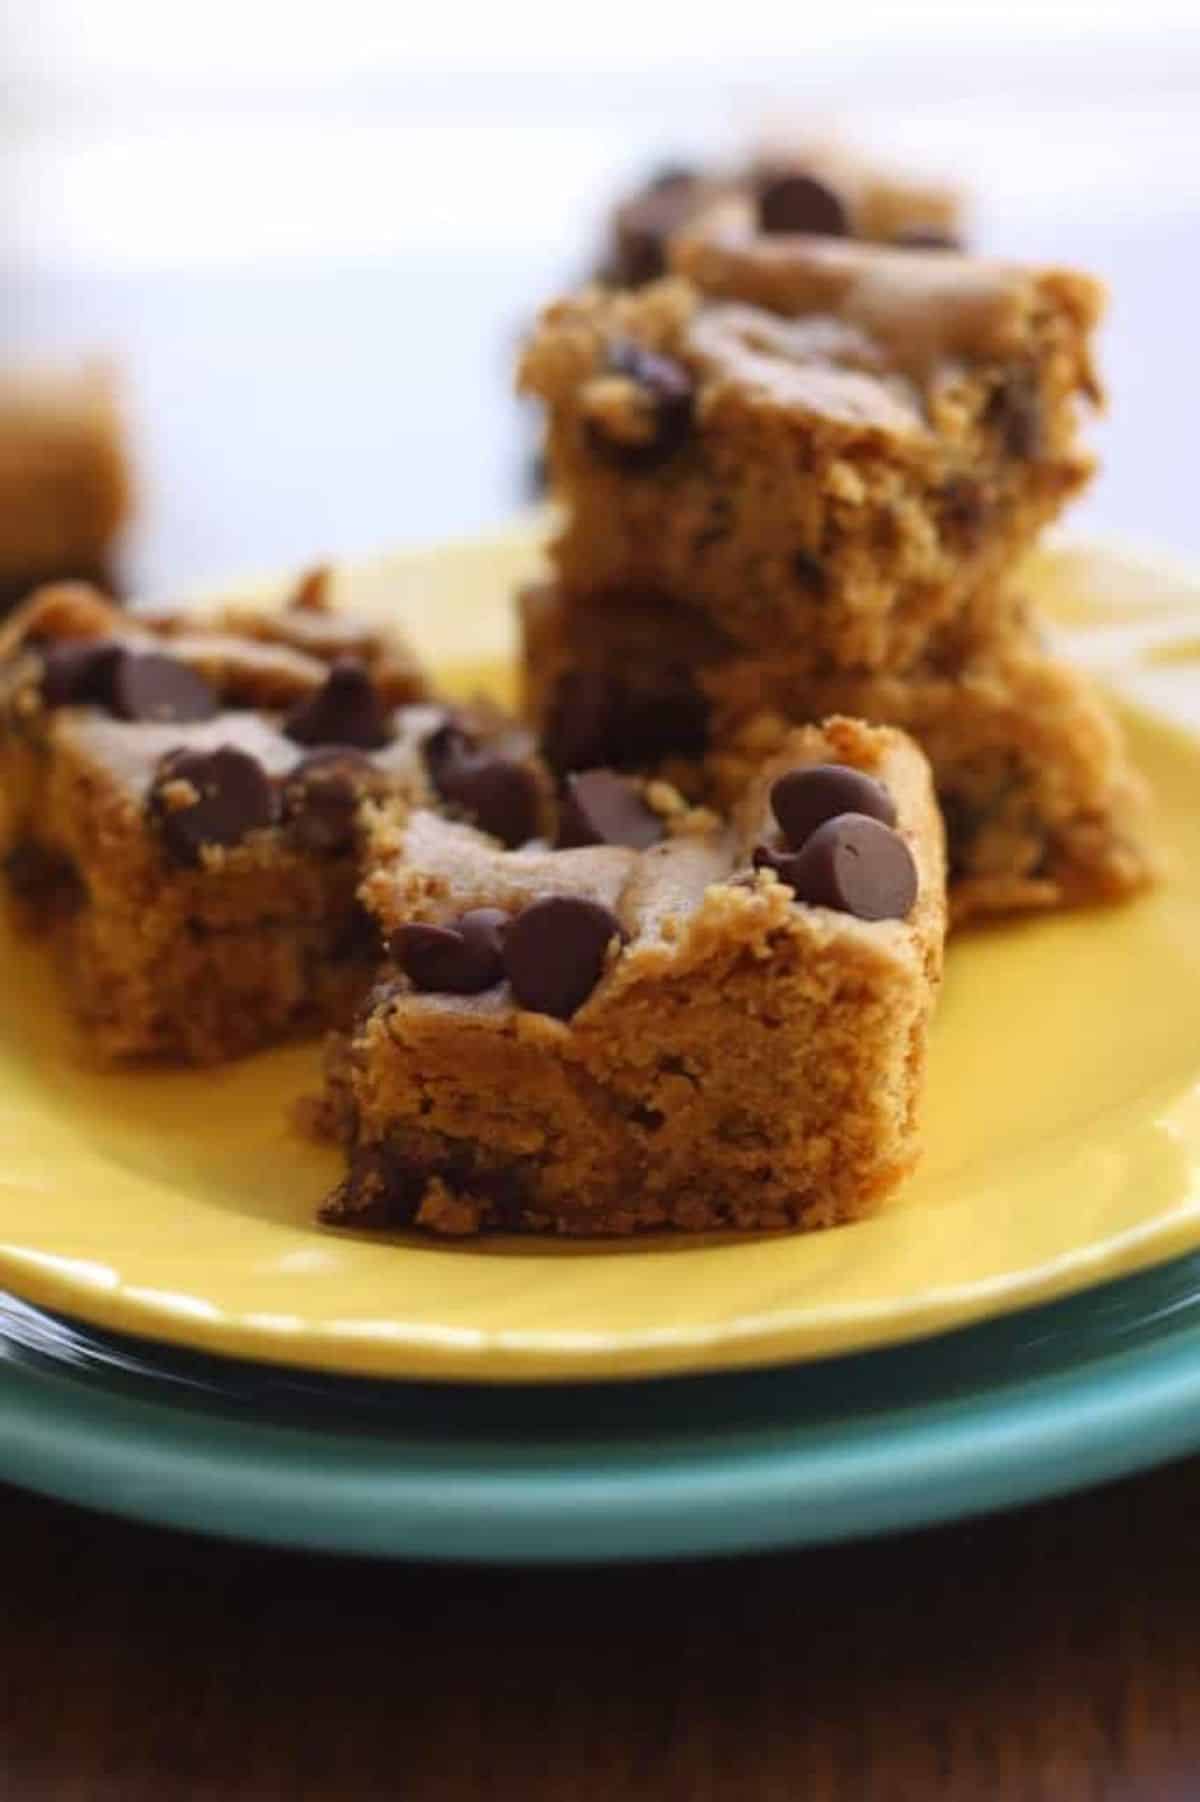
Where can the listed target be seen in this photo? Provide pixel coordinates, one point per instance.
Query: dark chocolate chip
(669, 395)
(791, 202)
(153, 689)
(927, 237)
(462, 959)
(804, 799)
(963, 508)
(498, 794)
(321, 797)
(854, 864)
(809, 572)
(345, 710)
(231, 796)
(646, 224)
(555, 950)
(602, 808)
(1014, 411)
(79, 671)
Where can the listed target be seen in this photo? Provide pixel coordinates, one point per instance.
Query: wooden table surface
(1053, 1654)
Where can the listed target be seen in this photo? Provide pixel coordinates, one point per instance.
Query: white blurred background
(311, 233)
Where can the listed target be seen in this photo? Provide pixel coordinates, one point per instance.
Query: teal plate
(1008, 1412)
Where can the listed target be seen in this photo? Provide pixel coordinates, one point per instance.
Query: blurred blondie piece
(65, 484)
(828, 449)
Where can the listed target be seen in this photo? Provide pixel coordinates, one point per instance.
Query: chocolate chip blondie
(828, 449)
(670, 1018)
(180, 801)
(1041, 804)
(816, 186)
(65, 484)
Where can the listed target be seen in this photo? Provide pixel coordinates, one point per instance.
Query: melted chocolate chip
(791, 202)
(854, 864)
(555, 951)
(601, 808)
(462, 959)
(804, 799)
(668, 394)
(345, 710)
(230, 796)
(151, 688)
(322, 794)
(498, 794)
(78, 671)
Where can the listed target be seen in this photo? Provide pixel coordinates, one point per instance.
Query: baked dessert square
(179, 808)
(1042, 805)
(65, 483)
(828, 449)
(670, 1019)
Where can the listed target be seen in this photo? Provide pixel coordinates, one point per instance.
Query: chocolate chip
(78, 671)
(792, 202)
(230, 797)
(854, 864)
(963, 509)
(498, 794)
(809, 572)
(927, 237)
(462, 959)
(345, 710)
(645, 225)
(321, 797)
(601, 808)
(804, 799)
(668, 394)
(555, 950)
(1014, 411)
(150, 688)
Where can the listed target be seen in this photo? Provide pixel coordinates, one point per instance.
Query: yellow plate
(1062, 1125)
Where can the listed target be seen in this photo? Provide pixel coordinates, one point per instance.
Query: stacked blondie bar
(799, 475)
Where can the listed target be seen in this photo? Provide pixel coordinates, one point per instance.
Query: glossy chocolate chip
(602, 808)
(669, 395)
(153, 689)
(345, 710)
(792, 202)
(555, 951)
(78, 671)
(804, 799)
(497, 794)
(854, 864)
(322, 794)
(203, 798)
(462, 959)
(927, 237)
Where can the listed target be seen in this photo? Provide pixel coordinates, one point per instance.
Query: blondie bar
(676, 1020)
(179, 807)
(828, 449)
(1041, 804)
(65, 486)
